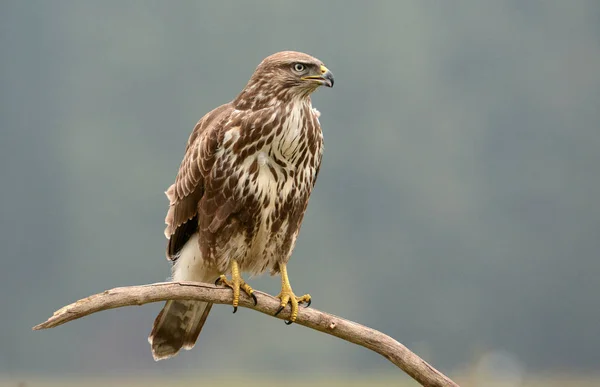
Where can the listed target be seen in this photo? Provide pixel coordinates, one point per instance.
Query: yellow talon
(287, 296)
(236, 283)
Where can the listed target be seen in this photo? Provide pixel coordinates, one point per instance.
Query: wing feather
(187, 191)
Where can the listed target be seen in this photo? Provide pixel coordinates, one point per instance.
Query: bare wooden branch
(347, 330)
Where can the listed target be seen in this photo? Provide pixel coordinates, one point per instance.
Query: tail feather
(192, 336)
(180, 321)
(177, 326)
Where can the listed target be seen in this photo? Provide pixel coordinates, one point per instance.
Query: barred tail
(180, 321)
(177, 326)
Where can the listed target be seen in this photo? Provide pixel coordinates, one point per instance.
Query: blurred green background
(456, 209)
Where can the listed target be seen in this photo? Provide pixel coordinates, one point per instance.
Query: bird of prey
(241, 192)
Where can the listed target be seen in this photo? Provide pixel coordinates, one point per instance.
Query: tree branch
(347, 330)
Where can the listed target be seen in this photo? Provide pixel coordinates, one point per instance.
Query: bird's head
(295, 70)
(284, 76)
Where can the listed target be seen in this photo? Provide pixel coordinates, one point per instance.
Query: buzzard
(241, 192)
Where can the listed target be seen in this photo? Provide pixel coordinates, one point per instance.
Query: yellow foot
(287, 296)
(236, 283)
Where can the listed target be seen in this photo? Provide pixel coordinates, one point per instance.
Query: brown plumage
(242, 187)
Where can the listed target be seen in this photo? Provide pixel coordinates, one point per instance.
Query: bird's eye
(299, 67)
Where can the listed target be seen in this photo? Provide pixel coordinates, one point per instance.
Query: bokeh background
(456, 209)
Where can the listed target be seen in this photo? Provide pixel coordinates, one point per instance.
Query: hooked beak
(325, 79)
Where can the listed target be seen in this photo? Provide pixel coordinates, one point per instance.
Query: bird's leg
(287, 295)
(236, 283)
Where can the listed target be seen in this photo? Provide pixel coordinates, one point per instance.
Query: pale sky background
(456, 208)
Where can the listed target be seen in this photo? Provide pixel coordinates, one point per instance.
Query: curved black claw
(287, 322)
(279, 310)
(254, 298)
(218, 281)
(308, 303)
(234, 309)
